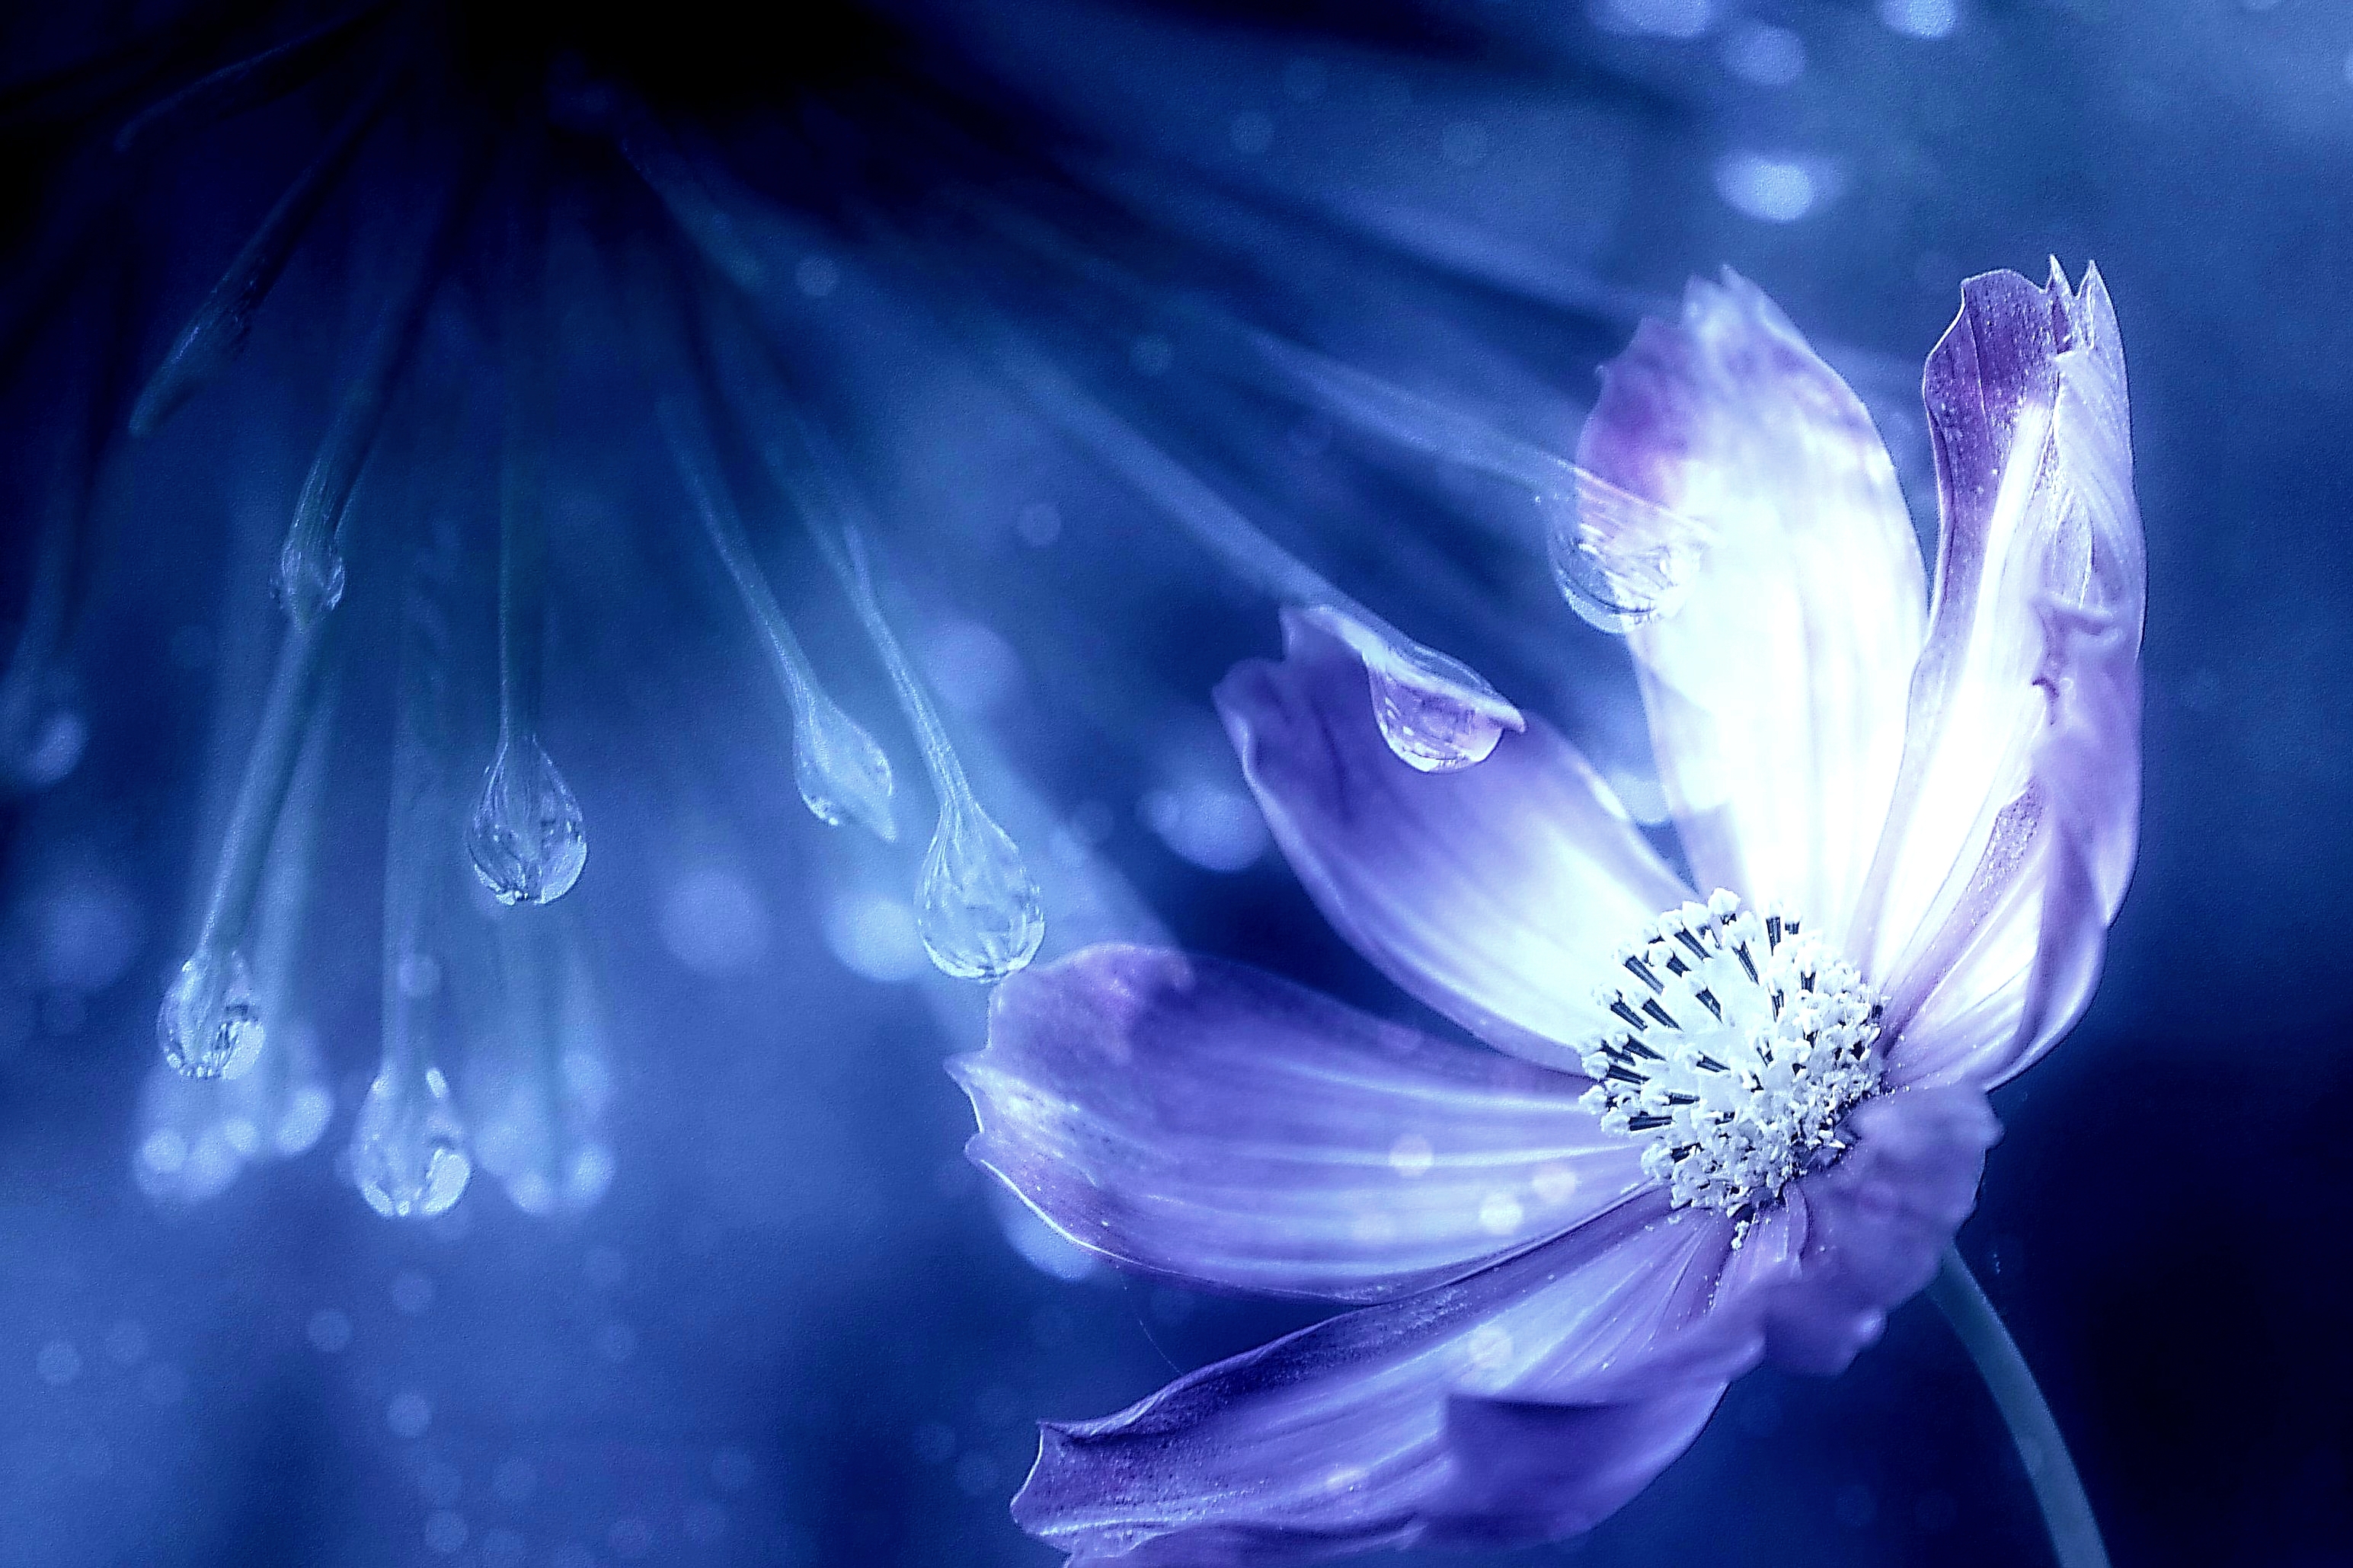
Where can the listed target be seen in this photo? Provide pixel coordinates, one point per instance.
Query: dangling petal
(1873, 1224)
(2015, 815)
(1202, 1119)
(1526, 1471)
(1344, 1436)
(1775, 688)
(1495, 893)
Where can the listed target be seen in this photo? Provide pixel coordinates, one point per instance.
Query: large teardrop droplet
(527, 839)
(981, 917)
(1619, 560)
(209, 1026)
(1437, 713)
(409, 1148)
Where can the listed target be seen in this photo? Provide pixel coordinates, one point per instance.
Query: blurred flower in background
(599, 570)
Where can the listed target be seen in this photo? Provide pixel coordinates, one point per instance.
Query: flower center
(1746, 1043)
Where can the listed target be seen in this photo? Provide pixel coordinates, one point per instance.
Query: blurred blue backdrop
(795, 1328)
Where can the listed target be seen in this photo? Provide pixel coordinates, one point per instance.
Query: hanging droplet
(981, 917)
(1619, 560)
(209, 1026)
(527, 839)
(842, 773)
(1437, 713)
(409, 1149)
(310, 576)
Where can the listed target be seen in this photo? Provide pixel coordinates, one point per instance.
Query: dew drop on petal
(1428, 727)
(409, 1149)
(842, 773)
(1437, 713)
(209, 1026)
(527, 839)
(1621, 561)
(980, 917)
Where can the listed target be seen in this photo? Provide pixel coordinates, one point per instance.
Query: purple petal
(1494, 894)
(1776, 687)
(2015, 820)
(1351, 1435)
(1528, 1400)
(1812, 1282)
(1875, 1223)
(1202, 1119)
(1527, 1472)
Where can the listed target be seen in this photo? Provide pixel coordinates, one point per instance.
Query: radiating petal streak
(842, 773)
(527, 839)
(1273, 363)
(252, 81)
(684, 187)
(978, 908)
(190, 1027)
(409, 1152)
(310, 573)
(214, 336)
(1436, 713)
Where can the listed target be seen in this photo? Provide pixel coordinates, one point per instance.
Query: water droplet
(309, 577)
(1619, 560)
(981, 917)
(209, 1026)
(842, 773)
(409, 1149)
(527, 839)
(1437, 713)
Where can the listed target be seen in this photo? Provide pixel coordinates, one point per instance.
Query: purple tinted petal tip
(1200, 1119)
(2022, 755)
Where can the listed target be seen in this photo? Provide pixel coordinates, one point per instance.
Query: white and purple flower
(1725, 1121)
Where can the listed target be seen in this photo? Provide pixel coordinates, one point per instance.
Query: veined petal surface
(1202, 1119)
(1775, 688)
(2015, 815)
(1341, 1437)
(1529, 1399)
(1495, 893)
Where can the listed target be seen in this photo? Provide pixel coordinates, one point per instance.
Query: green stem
(2066, 1512)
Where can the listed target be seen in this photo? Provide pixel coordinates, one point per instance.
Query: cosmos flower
(1727, 1113)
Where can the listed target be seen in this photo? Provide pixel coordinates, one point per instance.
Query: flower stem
(2066, 1512)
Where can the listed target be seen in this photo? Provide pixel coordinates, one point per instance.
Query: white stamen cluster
(1746, 1043)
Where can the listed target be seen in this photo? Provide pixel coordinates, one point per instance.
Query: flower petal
(1526, 1471)
(1776, 687)
(1875, 1223)
(1813, 1281)
(1495, 894)
(2015, 815)
(1208, 1122)
(1350, 1434)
